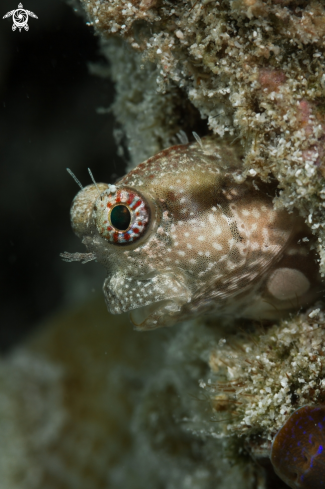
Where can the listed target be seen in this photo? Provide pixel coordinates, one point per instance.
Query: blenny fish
(186, 234)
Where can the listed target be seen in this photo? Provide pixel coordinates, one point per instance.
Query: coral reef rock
(89, 403)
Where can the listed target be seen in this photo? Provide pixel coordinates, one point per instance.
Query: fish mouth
(154, 300)
(155, 315)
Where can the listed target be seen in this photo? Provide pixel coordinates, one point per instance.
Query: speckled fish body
(197, 238)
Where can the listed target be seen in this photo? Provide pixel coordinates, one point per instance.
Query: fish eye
(121, 215)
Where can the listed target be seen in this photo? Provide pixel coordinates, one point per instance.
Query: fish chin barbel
(184, 234)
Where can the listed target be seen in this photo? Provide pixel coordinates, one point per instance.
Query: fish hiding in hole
(185, 234)
(298, 451)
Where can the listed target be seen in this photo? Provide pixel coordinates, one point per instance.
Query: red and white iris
(121, 215)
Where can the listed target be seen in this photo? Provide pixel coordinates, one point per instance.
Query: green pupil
(120, 217)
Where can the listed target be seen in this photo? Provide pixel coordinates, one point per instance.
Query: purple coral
(298, 451)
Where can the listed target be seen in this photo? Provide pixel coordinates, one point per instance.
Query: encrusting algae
(211, 396)
(262, 377)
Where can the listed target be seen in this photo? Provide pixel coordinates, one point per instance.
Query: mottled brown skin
(298, 451)
(214, 243)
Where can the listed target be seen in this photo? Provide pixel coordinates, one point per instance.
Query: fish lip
(161, 306)
(156, 314)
